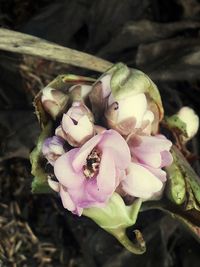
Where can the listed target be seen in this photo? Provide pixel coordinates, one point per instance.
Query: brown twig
(26, 44)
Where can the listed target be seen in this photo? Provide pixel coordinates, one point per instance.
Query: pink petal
(159, 173)
(94, 192)
(106, 85)
(120, 176)
(140, 182)
(78, 211)
(75, 112)
(83, 129)
(85, 198)
(84, 151)
(152, 159)
(66, 199)
(64, 171)
(152, 144)
(167, 158)
(66, 122)
(118, 148)
(107, 174)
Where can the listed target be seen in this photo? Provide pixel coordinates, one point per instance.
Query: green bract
(115, 217)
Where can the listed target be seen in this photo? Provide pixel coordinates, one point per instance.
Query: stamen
(92, 163)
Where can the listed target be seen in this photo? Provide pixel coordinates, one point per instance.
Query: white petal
(134, 106)
(54, 185)
(66, 122)
(106, 90)
(140, 182)
(58, 150)
(83, 129)
(47, 94)
(148, 116)
(152, 159)
(66, 200)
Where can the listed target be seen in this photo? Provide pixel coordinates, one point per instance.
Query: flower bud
(54, 101)
(77, 125)
(191, 120)
(128, 99)
(126, 82)
(53, 148)
(129, 114)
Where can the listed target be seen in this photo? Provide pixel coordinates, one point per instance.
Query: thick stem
(137, 248)
(26, 44)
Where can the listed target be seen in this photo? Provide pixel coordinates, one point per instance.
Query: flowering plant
(108, 159)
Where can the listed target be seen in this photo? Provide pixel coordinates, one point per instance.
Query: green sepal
(175, 123)
(127, 81)
(76, 79)
(115, 217)
(39, 183)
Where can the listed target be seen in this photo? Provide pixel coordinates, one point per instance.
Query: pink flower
(77, 125)
(145, 177)
(89, 175)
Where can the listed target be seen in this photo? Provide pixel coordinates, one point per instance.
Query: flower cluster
(106, 141)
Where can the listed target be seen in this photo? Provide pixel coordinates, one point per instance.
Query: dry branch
(26, 44)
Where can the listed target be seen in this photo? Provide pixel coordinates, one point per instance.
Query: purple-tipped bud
(54, 101)
(77, 125)
(53, 147)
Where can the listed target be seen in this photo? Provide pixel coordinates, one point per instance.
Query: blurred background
(158, 37)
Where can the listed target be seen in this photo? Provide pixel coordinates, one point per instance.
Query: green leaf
(40, 184)
(176, 187)
(183, 188)
(192, 180)
(115, 217)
